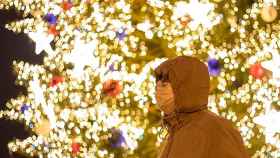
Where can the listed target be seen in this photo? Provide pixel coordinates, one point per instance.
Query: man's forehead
(163, 67)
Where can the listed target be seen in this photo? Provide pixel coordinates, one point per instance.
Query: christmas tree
(94, 94)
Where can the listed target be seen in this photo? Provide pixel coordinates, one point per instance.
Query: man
(194, 131)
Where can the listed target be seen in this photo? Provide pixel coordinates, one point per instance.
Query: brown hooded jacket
(194, 131)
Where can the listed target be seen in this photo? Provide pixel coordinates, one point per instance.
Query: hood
(189, 79)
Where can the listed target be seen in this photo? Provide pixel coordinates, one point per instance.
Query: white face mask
(165, 97)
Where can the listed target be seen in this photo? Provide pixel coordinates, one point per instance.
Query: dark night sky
(12, 47)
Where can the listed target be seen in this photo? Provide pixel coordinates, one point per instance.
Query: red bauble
(66, 5)
(56, 80)
(52, 30)
(257, 71)
(75, 148)
(112, 88)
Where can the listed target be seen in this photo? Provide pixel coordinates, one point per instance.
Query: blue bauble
(214, 67)
(117, 138)
(24, 108)
(50, 18)
(121, 34)
(31, 125)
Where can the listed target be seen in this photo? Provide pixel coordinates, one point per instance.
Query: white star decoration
(42, 41)
(199, 16)
(274, 66)
(82, 55)
(270, 121)
(40, 100)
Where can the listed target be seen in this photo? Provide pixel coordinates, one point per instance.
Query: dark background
(18, 47)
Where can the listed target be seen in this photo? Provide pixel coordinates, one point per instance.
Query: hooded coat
(193, 130)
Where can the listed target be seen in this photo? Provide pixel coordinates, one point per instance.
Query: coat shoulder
(223, 135)
(213, 122)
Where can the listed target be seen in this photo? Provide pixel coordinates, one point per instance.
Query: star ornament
(270, 122)
(42, 41)
(199, 12)
(39, 99)
(274, 66)
(82, 55)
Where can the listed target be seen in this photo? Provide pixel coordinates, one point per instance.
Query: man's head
(182, 85)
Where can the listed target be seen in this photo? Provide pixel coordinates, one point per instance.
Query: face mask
(165, 97)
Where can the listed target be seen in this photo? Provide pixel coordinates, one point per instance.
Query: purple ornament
(111, 67)
(117, 139)
(214, 67)
(50, 18)
(24, 107)
(121, 34)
